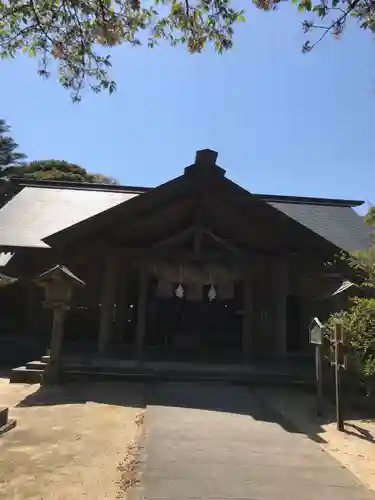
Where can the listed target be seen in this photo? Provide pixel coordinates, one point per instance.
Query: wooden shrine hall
(196, 269)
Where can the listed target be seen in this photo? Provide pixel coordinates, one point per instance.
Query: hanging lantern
(179, 291)
(211, 293)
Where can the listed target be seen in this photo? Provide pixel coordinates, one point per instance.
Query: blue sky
(282, 122)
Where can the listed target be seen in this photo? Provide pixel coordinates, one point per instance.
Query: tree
(74, 32)
(104, 179)
(358, 324)
(9, 157)
(328, 17)
(370, 216)
(58, 170)
(358, 321)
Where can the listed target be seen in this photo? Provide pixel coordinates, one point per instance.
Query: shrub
(358, 324)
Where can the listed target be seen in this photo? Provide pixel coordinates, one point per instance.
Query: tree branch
(338, 21)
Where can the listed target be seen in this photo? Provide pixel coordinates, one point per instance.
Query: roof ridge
(74, 185)
(87, 186)
(310, 200)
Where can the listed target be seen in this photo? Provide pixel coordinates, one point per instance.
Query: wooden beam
(122, 302)
(108, 291)
(197, 243)
(247, 318)
(280, 282)
(153, 227)
(199, 223)
(178, 238)
(196, 232)
(141, 313)
(187, 256)
(223, 242)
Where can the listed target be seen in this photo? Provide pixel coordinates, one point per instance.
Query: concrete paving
(212, 441)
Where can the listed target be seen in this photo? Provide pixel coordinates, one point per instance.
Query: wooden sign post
(338, 345)
(316, 338)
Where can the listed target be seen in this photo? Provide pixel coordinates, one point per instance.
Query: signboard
(316, 332)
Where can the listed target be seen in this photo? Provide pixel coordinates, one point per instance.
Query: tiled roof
(340, 225)
(37, 212)
(41, 209)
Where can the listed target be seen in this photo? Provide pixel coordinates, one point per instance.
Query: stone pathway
(220, 442)
(354, 448)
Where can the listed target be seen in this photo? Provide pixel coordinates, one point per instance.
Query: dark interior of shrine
(177, 328)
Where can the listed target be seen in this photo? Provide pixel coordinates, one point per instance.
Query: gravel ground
(73, 441)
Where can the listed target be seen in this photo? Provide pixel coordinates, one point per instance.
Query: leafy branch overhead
(78, 33)
(328, 17)
(333, 16)
(74, 32)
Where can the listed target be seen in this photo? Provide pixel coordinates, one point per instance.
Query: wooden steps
(97, 372)
(29, 374)
(112, 369)
(36, 365)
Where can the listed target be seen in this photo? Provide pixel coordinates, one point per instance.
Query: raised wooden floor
(109, 368)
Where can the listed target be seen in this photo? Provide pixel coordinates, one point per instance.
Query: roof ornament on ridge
(205, 162)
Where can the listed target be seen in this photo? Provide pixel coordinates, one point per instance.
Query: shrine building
(197, 269)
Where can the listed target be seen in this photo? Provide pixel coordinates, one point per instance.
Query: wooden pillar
(51, 374)
(122, 308)
(247, 318)
(108, 293)
(28, 316)
(281, 295)
(141, 313)
(304, 323)
(29, 298)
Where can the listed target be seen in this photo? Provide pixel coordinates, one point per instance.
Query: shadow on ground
(258, 403)
(209, 396)
(360, 432)
(224, 397)
(110, 393)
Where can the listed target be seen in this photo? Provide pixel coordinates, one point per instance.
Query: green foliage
(78, 33)
(328, 17)
(358, 323)
(58, 170)
(9, 157)
(74, 32)
(104, 179)
(370, 216)
(332, 18)
(366, 261)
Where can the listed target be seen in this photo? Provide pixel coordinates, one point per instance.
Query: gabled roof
(43, 208)
(37, 211)
(339, 224)
(58, 272)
